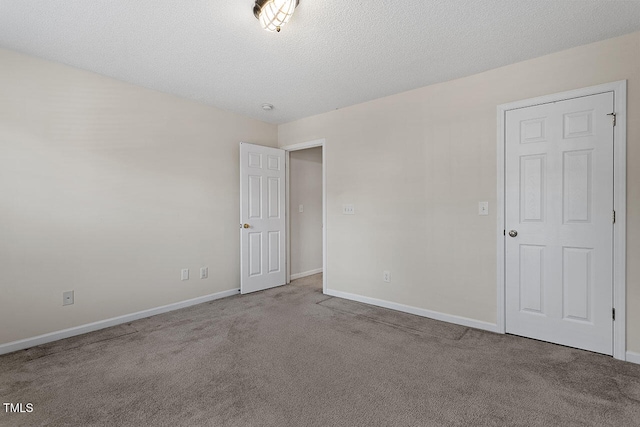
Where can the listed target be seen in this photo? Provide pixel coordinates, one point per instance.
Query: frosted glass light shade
(273, 14)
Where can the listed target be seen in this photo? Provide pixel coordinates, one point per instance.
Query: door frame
(619, 90)
(288, 149)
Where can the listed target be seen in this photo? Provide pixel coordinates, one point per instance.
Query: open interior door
(262, 220)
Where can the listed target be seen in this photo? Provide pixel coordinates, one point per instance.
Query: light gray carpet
(292, 356)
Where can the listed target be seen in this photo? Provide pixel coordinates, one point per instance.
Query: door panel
(576, 283)
(274, 252)
(262, 244)
(531, 278)
(274, 197)
(559, 199)
(255, 254)
(532, 188)
(576, 169)
(255, 197)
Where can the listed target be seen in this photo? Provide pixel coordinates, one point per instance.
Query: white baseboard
(90, 327)
(306, 273)
(458, 320)
(633, 357)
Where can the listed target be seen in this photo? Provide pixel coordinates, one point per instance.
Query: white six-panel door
(558, 210)
(262, 217)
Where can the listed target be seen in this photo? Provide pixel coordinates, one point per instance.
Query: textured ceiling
(333, 53)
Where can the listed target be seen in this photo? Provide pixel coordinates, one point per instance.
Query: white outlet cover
(300, 208)
(204, 272)
(386, 276)
(184, 275)
(483, 208)
(67, 298)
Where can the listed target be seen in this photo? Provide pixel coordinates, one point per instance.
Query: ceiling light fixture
(273, 14)
(267, 107)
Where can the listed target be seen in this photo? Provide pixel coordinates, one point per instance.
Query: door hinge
(614, 117)
(613, 313)
(614, 217)
(504, 232)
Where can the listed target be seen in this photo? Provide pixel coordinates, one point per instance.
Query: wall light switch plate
(300, 208)
(348, 210)
(67, 298)
(184, 274)
(204, 272)
(483, 208)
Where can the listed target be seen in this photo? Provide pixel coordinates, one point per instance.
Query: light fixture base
(272, 17)
(258, 7)
(260, 4)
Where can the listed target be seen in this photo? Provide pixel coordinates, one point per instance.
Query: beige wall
(110, 189)
(416, 164)
(305, 188)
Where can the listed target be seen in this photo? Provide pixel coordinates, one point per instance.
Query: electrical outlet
(483, 208)
(67, 298)
(300, 208)
(348, 210)
(204, 272)
(184, 275)
(386, 276)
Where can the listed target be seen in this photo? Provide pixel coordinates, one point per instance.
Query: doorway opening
(306, 210)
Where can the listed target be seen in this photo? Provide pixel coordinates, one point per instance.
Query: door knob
(512, 233)
(246, 226)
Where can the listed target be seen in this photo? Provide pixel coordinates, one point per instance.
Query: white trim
(287, 217)
(301, 146)
(324, 217)
(305, 274)
(500, 218)
(90, 327)
(620, 227)
(436, 315)
(633, 357)
(577, 93)
(619, 90)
